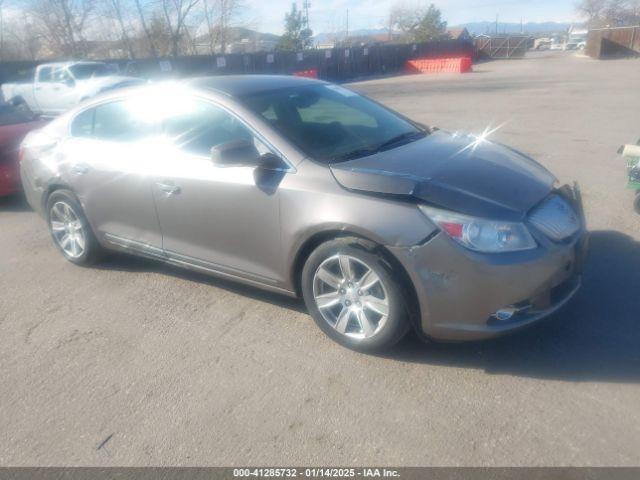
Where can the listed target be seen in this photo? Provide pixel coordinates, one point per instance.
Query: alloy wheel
(350, 296)
(67, 229)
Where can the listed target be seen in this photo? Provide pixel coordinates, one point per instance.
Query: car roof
(69, 63)
(241, 85)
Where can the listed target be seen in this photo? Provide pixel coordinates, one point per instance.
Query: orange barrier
(311, 73)
(439, 65)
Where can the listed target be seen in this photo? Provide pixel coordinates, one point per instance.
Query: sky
(331, 15)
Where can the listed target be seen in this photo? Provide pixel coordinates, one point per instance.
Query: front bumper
(459, 292)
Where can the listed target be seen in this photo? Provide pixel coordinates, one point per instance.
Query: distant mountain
(489, 28)
(474, 28)
(236, 34)
(325, 37)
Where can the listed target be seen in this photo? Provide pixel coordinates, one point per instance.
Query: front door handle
(168, 188)
(80, 169)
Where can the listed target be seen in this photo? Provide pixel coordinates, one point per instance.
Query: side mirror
(270, 161)
(245, 153)
(235, 152)
(70, 82)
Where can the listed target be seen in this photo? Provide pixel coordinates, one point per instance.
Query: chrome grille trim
(555, 218)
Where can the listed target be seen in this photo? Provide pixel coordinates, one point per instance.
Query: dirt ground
(135, 363)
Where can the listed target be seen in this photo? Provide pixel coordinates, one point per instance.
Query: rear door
(109, 165)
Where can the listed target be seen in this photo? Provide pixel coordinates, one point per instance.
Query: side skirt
(172, 258)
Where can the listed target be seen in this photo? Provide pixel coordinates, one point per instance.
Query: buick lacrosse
(309, 189)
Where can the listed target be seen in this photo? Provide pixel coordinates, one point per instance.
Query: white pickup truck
(56, 87)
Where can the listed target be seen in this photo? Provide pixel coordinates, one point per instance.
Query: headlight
(480, 234)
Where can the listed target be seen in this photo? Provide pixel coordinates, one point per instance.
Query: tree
(175, 16)
(63, 23)
(116, 9)
(219, 15)
(419, 22)
(2, 29)
(296, 35)
(613, 13)
(592, 10)
(145, 28)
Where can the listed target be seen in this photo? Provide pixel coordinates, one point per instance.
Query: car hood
(455, 172)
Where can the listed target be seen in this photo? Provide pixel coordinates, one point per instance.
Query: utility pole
(496, 24)
(305, 6)
(347, 36)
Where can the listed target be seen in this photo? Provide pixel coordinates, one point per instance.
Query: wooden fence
(613, 42)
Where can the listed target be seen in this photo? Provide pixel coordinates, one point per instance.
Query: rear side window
(113, 121)
(82, 125)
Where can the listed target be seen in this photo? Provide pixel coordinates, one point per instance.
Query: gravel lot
(135, 363)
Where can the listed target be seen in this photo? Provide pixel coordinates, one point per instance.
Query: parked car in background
(306, 188)
(542, 43)
(14, 125)
(56, 87)
(631, 154)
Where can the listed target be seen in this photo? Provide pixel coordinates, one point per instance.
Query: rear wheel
(20, 105)
(353, 296)
(69, 228)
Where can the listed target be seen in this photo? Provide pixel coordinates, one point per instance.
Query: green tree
(420, 23)
(297, 36)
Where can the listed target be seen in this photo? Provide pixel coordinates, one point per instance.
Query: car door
(43, 91)
(223, 218)
(109, 160)
(62, 91)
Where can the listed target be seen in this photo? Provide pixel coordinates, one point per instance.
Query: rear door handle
(168, 188)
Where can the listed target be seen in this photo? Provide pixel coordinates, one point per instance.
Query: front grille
(555, 218)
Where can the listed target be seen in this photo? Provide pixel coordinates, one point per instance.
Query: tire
(70, 230)
(636, 203)
(19, 104)
(350, 308)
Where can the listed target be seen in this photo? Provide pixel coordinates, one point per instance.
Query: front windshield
(330, 123)
(83, 71)
(9, 115)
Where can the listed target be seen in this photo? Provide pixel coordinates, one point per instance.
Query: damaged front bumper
(459, 294)
(464, 295)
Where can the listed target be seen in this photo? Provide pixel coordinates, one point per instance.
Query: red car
(14, 125)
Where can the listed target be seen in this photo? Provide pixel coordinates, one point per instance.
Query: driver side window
(61, 75)
(204, 126)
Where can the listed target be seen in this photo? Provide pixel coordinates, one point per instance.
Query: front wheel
(70, 229)
(354, 296)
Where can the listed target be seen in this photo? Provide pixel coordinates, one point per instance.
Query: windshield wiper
(357, 153)
(401, 138)
(366, 151)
